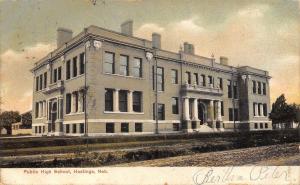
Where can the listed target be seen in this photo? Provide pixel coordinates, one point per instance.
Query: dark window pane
(81, 58)
(59, 73)
(109, 100)
(229, 86)
(160, 111)
(188, 77)
(68, 103)
(160, 79)
(137, 101)
(45, 80)
(124, 127)
(74, 66)
(110, 127)
(68, 70)
(254, 86)
(196, 78)
(175, 105)
(74, 128)
(175, 126)
(123, 101)
(55, 76)
(37, 83)
(264, 89)
(138, 127)
(259, 88)
(81, 128)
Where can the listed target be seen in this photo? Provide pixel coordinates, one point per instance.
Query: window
(233, 113)
(110, 127)
(138, 127)
(160, 111)
(194, 124)
(222, 108)
(188, 77)
(259, 113)
(67, 128)
(137, 67)
(259, 88)
(37, 83)
(254, 86)
(264, 88)
(265, 109)
(59, 73)
(230, 114)
(76, 100)
(236, 114)
(261, 125)
(202, 80)
(109, 63)
(81, 61)
(160, 79)
(196, 78)
(108, 100)
(229, 85)
(45, 79)
(235, 92)
(175, 126)
(74, 128)
(174, 76)
(220, 85)
(74, 66)
(68, 103)
(255, 125)
(124, 127)
(210, 81)
(41, 82)
(81, 127)
(137, 101)
(68, 70)
(123, 101)
(266, 125)
(124, 65)
(55, 75)
(35, 129)
(254, 109)
(175, 105)
(36, 109)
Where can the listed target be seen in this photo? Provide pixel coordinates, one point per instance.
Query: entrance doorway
(53, 116)
(201, 113)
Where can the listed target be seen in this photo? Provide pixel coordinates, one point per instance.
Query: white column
(256, 109)
(219, 116)
(116, 100)
(211, 110)
(129, 101)
(186, 109)
(40, 109)
(73, 103)
(195, 109)
(44, 109)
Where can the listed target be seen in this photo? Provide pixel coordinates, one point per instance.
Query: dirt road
(288, 154)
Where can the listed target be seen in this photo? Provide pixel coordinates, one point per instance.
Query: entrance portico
(198, 111)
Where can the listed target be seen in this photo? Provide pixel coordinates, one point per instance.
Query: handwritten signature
(233, 174)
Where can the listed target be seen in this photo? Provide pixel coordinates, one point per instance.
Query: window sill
(112, 112)
(73, 78)
(119, 75)
(74, 113)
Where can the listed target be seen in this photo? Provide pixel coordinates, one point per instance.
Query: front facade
(102, 82)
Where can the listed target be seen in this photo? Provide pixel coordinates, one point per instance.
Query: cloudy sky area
(262, 34)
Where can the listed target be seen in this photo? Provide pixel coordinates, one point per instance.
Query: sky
(261, 34)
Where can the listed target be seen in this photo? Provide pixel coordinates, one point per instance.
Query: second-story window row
(75, 102)
(259, 87)
(76, 66)
(126, 67)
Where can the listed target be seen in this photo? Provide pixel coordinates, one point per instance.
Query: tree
(283, 113)
(9, 117)
(27, 120)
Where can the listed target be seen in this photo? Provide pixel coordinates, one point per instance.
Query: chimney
(126, 28)
(64, 35)
(188, 48)
(156, 40)
(223, 60)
